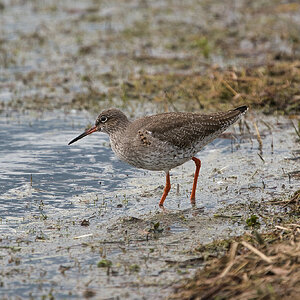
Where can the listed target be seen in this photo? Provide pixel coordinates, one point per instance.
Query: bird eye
(103, 119)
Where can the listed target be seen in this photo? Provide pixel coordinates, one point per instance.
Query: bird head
(109, 121)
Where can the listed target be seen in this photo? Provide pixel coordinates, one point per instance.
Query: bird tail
(242, 109)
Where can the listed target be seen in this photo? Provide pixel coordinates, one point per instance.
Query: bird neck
(119, 127)
(116, 136)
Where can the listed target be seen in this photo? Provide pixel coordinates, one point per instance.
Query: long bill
(89, 131)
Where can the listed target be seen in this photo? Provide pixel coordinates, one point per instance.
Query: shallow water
(43, 242)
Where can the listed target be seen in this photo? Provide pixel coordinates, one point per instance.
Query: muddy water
(48, 188)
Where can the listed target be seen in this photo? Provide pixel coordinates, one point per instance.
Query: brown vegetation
(264, 269)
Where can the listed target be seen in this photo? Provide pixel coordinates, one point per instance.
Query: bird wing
(185, 129)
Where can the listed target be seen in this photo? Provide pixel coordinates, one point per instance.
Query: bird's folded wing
(183, 130)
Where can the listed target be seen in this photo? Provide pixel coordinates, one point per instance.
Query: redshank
(164, 141)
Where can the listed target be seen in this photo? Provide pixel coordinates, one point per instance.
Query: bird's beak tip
(89, 131)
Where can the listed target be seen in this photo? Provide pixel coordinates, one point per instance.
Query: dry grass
(250, 270)
(294, 201)
(256, 266)
(272, 88)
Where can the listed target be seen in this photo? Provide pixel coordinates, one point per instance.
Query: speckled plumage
(163, 141)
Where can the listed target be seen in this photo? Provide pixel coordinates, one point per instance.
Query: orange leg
(198, 166)
(166, 190)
